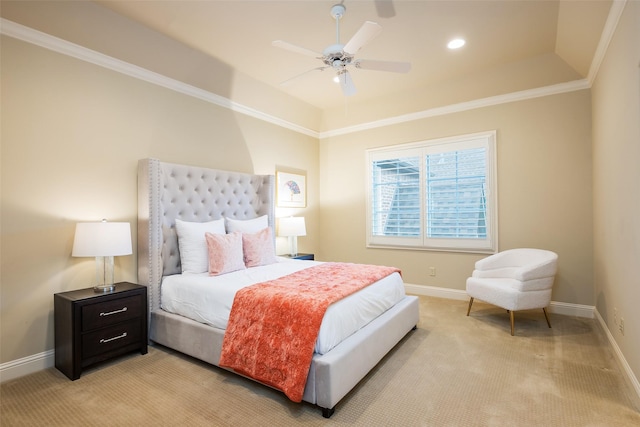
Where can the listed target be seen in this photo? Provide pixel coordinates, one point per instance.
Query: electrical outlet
(432, 271)
(621, 326)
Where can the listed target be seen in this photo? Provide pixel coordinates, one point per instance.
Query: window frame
(486, 140)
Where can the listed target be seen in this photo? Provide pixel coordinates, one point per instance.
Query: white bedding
(208, 299)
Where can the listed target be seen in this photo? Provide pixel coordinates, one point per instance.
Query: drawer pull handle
(124, 334)
(122, 310)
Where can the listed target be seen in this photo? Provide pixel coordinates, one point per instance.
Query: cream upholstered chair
(515, 279)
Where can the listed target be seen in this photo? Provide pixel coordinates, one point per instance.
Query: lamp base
(104, 274)
(293, 246)
(104, 288)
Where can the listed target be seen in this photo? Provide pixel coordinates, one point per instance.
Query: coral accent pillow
(192, 245)
(225, 253)
(258, 248)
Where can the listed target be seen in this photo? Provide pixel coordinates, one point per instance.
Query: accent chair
(515, 279)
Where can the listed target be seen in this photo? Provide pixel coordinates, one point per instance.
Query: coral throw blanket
(273, 326)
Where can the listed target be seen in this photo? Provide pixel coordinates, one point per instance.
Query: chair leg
(470, 303)
(546, 316)
(512, 320)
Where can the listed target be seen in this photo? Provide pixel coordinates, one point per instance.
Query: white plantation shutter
(438, 194)
(397, 193)
(456, 200)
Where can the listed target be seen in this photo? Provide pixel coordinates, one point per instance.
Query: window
(439, 194)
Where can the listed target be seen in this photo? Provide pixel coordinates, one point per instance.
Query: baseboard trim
(577, 310)
(564, 308)
(37, 362)
(568, 309)
(434, 291)
(27, 365)
(619, 356)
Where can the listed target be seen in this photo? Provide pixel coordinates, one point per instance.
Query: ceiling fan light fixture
(340, 56)
(456, 43)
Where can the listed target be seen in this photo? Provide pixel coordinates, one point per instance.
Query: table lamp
(292, 227)
(102, 240)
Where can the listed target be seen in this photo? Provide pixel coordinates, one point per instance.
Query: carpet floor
(453, 370)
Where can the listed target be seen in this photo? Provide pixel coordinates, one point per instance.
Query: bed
(169, 192)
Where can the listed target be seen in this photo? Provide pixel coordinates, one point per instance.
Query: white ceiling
(240, 33)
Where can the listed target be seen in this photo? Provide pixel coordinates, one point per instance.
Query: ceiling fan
(339, 57)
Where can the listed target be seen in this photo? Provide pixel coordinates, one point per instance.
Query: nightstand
(93, 327)
(300, 256)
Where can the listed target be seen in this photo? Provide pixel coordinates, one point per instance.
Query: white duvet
(208, 299)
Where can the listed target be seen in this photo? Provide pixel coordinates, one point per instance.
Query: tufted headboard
(167, 191)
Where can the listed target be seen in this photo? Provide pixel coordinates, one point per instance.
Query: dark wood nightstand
(92, 327)
(300, 256)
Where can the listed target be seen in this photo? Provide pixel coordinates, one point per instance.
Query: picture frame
(291, 189)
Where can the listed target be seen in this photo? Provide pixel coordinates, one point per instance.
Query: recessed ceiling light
(456, 43)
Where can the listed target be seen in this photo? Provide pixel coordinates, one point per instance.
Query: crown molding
(617, 7)
(464, 106)
(47, 41)
(64, 47)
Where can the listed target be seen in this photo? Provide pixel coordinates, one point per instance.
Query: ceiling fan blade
(364, 35)
(294, 48)
(302, 74)
(385, 8)
(346, 84)
(392, 66)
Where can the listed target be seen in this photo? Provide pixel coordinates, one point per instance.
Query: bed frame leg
(326, 412)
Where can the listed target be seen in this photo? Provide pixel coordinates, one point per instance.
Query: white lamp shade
(101, 239)
(292, 226)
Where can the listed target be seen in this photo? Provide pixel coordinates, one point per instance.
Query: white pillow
(247, 225)
(194, 256)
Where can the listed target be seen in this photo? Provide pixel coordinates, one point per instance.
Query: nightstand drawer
(110, 312)
(111, 338)
(92, 327)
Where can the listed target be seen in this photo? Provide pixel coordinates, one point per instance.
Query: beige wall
(72, 134)
(544, 190)
(95, 27)
(616, 179)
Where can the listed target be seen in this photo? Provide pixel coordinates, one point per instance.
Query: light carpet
(452, 371)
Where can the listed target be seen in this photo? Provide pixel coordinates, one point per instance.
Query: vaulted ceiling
(498, 34)
(225, 48)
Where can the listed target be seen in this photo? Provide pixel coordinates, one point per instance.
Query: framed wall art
(291, 190)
